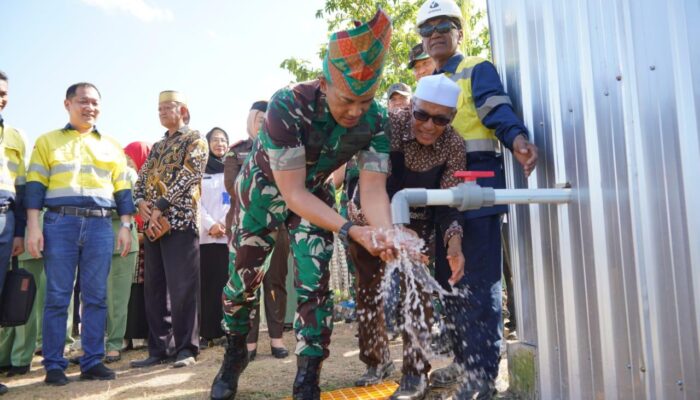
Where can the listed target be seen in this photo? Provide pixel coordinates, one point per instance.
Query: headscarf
(355, 58)
(215, 164)
(258, 106)
(138, 152)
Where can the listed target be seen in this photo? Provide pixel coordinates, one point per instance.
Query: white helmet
(438, 8)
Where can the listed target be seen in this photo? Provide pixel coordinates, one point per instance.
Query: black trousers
(171, 283)
(214, 275)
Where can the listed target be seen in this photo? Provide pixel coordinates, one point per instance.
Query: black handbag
(17, 296)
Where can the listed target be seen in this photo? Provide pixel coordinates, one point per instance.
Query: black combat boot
(235, 361)
(308, 375)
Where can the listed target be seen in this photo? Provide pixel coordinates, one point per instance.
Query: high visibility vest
(72, 165)
(12, 169)
(467, 122)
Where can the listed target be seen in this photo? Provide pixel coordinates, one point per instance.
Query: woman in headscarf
(213, 248)
(136, 324)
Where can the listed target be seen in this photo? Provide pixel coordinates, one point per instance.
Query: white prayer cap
(438, 89)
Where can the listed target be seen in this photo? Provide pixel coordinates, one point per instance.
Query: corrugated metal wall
(608, 288)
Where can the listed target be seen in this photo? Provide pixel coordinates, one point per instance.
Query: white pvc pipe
(530, 196)
(440, 197)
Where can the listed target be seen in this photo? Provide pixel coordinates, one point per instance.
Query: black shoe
(112, 359)
(3, 389)
(446, 377)
(476, 391)
(375, 375)
(74, 360)
(98, 373)
(185, 358)
(279, 352)
(22, 370)
(56, 377)
(307, 379)
(5, 368)
(151, 361)
(252, 354)
(412, 387)
(235, 360)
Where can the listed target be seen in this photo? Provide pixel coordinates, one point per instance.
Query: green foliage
(301, 69)
(339, 15)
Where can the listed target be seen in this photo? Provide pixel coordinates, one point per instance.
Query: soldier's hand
(370, 238)
(526, 154)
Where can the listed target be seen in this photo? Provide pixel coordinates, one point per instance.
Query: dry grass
(265, 378)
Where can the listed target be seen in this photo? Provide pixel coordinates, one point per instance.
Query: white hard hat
(438, 8)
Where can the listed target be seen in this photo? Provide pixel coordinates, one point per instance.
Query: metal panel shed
(608, 287)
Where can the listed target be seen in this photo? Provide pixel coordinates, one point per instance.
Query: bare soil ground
(265, 378)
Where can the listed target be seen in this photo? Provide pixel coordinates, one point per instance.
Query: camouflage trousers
(259, 210)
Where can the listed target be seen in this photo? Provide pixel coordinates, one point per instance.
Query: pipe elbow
(403, 200)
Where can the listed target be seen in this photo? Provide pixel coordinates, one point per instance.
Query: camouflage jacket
(233, 161)
(299, 131)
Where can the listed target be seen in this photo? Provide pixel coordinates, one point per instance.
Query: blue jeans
(71, 242)
(7, 234)
(476, 338)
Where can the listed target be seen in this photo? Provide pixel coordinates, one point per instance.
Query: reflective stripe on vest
(12, 171)
(480, 145)
(467, 122)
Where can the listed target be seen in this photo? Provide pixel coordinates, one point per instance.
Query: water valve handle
(471, 176)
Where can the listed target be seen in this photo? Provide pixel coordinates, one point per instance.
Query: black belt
(82, 212)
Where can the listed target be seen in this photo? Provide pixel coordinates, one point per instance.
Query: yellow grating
(381, 391)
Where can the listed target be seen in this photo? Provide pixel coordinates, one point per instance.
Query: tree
(339, 14)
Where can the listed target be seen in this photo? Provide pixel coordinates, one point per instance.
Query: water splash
(418, 285)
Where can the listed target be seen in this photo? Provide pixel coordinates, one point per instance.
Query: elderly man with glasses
(484, 118)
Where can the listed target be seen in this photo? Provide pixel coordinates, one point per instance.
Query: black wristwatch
(343, 233)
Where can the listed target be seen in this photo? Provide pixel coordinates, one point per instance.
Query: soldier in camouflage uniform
(310, 130)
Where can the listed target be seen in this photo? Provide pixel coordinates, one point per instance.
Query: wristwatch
(127, 225)
(343, 233)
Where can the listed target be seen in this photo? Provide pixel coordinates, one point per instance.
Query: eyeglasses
(439, 120)
(426, 30)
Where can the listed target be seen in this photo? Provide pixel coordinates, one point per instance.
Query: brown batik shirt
(414, 165)
(171, 178)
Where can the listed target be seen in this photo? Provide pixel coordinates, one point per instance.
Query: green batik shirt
(299, 131)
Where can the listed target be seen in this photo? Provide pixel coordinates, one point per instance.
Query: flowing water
(418, 286)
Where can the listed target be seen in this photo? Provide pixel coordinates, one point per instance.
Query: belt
(480, 145)
(82, 212)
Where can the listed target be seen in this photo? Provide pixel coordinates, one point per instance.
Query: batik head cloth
(355, 58)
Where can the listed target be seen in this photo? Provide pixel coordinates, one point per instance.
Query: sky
(222, 54)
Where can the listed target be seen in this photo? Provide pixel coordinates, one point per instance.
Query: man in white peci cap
(425, 153)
